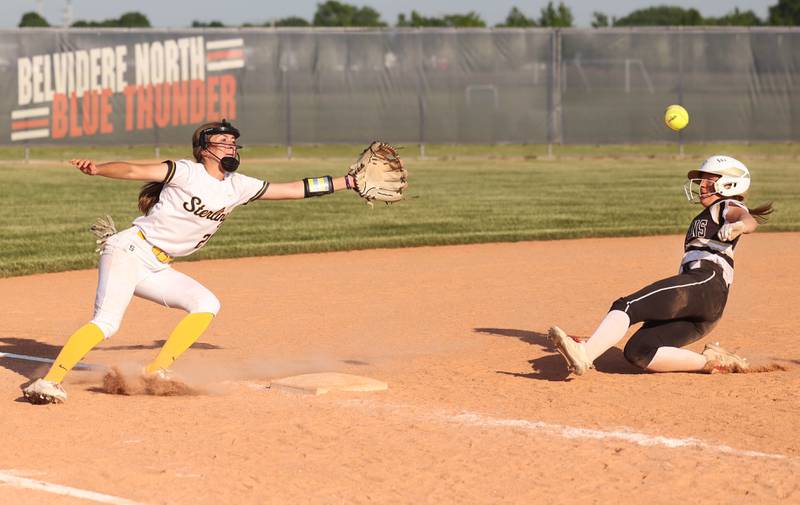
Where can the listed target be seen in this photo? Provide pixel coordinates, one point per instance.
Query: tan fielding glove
(379, 174)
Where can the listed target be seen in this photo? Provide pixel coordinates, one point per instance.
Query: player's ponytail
(761, 212)
(148, 196)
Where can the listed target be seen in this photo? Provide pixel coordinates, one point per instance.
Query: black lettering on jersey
(195, 201)
(698, 228)
(196, 207)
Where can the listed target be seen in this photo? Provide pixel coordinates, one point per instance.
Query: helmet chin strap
(228, 163)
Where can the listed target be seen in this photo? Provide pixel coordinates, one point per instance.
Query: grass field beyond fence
(48, 205)
(431, 151)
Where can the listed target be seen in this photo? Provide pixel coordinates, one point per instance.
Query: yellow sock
(78, 345)
(183, 336)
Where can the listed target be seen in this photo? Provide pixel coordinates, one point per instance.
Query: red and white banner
(159, 84)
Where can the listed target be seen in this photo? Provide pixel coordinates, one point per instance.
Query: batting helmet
(734, 178)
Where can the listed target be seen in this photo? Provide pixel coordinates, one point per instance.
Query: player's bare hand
(86, 166)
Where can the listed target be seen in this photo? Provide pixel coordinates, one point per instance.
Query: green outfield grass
(48, 206)
(782, 151)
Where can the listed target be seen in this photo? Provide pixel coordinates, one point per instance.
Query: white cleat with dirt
(42, 392)
(573, 352)
(161, 374)
(165, 382)
(723, 361)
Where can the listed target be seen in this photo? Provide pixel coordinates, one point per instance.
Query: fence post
(285, 57)
(680, 85)
(554, 134)
(288, 87)
(157, 141)
(559, 75)
(420, 97)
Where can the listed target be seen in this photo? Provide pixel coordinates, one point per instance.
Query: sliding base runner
(681, 309)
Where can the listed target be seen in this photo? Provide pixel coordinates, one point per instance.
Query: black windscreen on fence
(301, 86)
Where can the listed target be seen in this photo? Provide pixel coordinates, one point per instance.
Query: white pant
(129, 267)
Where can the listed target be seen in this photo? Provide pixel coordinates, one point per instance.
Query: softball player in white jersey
(183, 204)
(679, 310)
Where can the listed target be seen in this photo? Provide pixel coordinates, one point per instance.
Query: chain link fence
(487, 86)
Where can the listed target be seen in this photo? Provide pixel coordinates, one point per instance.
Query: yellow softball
(676, 117)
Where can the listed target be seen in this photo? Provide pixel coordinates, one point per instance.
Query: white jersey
(193, 205)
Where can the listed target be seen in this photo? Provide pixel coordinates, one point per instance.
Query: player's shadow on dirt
(552, 366)
(156, 344)
(354, 362)
(30, 347)
(27, 347)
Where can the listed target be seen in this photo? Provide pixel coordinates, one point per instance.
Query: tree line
(333, 13)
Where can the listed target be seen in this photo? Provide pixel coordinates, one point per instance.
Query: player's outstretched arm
(151, 172)
(305, 188)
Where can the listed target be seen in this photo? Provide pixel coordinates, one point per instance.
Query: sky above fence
(180, 13)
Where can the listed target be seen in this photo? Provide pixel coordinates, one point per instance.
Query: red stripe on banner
(31, 123)
(221, 55)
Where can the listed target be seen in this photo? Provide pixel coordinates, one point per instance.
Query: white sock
(674, 359)
(611, 330)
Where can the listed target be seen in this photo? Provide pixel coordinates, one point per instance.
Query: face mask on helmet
(734, 178)
(228, 163)
(694, 192)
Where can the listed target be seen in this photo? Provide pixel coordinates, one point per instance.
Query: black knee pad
(639, 354)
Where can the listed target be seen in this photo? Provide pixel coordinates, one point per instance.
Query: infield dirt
(480, 408)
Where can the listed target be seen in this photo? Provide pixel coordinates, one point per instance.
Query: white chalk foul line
(572, 432)
(22, 482)
(11, 355)
(624, 434)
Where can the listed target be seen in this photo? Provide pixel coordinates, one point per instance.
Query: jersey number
(205, 239)
(207, 236)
